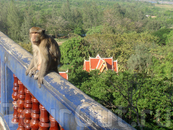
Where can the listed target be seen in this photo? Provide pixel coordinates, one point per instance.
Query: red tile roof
(93, 63)
(64, 74)
(115, 66)
(100, 63)
(86, 66)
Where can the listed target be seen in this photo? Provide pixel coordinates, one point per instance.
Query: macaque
(46, 54)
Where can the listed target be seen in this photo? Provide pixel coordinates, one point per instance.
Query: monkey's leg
(45, 61)
(40, 80)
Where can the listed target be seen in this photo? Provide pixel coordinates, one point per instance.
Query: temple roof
(100, 63)
(64, 74)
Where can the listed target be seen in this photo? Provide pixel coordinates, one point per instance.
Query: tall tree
(3, 17)
(76, 17)
(72, 16)
(91, 15)
(113, 19)
(141, 60)
(65, 12)
(56, 24)
(14, 21)
(26, 25)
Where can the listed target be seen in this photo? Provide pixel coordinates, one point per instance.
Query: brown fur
(46, 54)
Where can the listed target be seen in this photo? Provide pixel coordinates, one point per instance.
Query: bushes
(164, 36)
(144, 98)
(74, 51)
(132, 96)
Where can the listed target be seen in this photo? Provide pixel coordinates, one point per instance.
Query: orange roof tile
(115, 66)
(64, 75)
(86, 66)
(93, 63)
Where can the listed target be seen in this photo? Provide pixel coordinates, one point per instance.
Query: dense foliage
(141, 94)
(137, 33)
(80, 17)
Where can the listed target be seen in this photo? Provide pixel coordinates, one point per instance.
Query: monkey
(46, 54)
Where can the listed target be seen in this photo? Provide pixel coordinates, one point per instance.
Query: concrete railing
(70, 107)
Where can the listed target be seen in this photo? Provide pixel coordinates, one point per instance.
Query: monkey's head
(36, 34)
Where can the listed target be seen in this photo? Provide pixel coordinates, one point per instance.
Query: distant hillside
(159, 2)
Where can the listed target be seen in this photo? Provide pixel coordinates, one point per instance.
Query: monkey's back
(54, 53)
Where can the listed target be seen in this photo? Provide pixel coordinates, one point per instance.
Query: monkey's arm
(31, 69)
(44, 53)
(31, 65)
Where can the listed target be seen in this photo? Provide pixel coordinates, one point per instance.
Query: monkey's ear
(43, 31)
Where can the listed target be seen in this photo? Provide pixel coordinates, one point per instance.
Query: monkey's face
(35, 37)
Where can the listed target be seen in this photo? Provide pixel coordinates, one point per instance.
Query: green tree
(76, 18)
(134, 97)
(163, 35)
(14, 21)
(95, 30)
(72, 16)
(3, 17)
(66, 14)
(26, 25)
(40, 19)
(57, 25)
(65, 11)
(91, 15)
(74, 51)
(153, 25)
(79, 31)
(162, 68)
(141, 60)
(113, 19)
(169, 39)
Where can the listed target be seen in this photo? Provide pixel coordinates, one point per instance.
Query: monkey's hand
(27, 71)
(32, 71)
(36, 75)
(40, 81)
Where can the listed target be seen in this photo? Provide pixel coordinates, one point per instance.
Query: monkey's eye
(34, 33)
